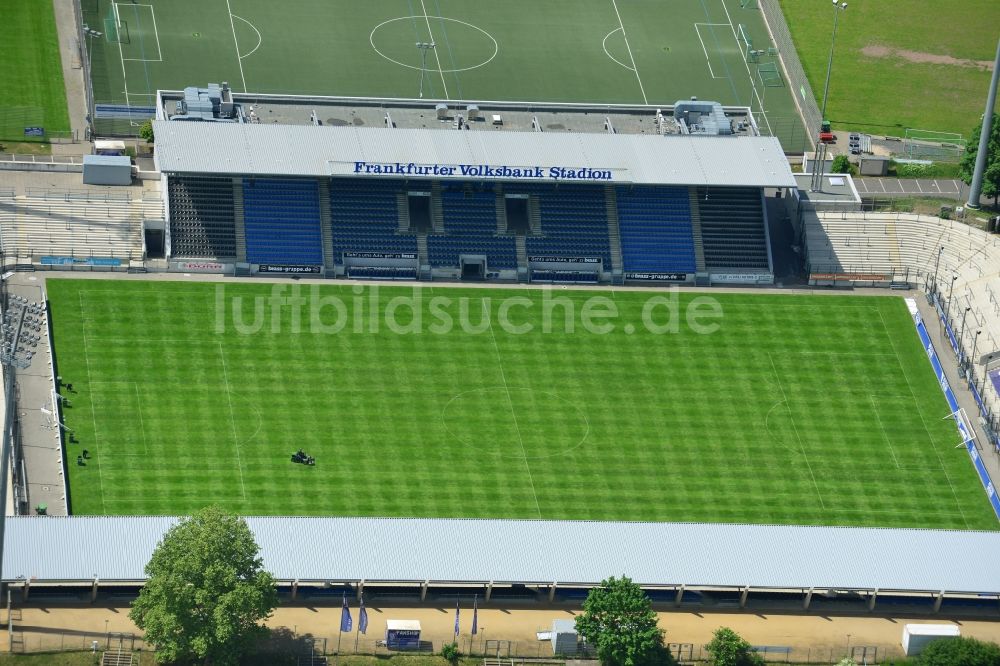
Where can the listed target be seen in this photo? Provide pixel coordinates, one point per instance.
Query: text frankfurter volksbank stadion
(482, 171)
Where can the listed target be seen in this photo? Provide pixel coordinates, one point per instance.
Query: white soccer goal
(965, 426)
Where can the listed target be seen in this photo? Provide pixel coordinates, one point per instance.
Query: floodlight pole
(947, 312)
(984, 136)
(837, 8)
(936, 264)
(820, 154)
(424, 47)
(975, 345)
(961, 335)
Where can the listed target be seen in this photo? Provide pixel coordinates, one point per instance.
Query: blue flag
(475, 616)
(363, 618)
(456, 617)
(345, 616)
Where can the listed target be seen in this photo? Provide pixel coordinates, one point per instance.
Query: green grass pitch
(805, 410)
(925, 64)
(602, 51)
(31, 81)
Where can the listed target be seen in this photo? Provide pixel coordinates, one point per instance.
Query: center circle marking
(496, 46)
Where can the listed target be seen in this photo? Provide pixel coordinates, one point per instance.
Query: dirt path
(919, 57)
(819, 639)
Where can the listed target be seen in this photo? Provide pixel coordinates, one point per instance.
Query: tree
(960, 652)
(206, 592)
(146, 131)
(450, 653)
(841, 164)
(991, 175)
(728, 648)
(618, 618)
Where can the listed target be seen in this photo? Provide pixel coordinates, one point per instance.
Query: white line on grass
(436, 56)
(510, 402)
(156, 33)
(259, 38)
(604, 45)
(705, 50)
(121, 54)
(237, 43)
(920, 412)
(795, 429)
(232, 419)
(753, 85)
(93, 413)
(881, 427)
(634, 68)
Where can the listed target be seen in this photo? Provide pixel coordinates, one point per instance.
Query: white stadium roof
(49, 549)
(293, 150)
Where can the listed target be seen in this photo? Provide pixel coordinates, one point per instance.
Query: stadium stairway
(326, 227)
(501, 210)
(403, 210)
(699, 243)
(239, 220)
(437, 208)
(522, 256)
(614, 230)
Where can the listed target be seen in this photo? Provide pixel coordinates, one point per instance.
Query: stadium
(495, 327)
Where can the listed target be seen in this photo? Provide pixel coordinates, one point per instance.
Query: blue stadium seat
(574, 221)
(470, 225)
(655, 228)
(366, 217)
(282, 222)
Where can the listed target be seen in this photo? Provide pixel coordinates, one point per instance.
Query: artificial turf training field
(814, 410)
(615, 51)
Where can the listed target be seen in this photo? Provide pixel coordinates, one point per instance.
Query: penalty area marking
(604, 45)
(156, 33)
(496, 45)
(708, 61)
(259, 38)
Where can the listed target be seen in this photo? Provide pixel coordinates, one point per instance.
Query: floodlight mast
(817, 177)
(984, 135)
(424, 48)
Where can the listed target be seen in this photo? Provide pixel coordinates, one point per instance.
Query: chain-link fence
(796, 76)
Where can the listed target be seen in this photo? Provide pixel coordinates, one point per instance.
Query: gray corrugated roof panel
(296, 150)
(384, 549)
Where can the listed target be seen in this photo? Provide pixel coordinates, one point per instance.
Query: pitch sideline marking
(517, 427)
(239, 60)
(232, 418)
(705, 50)
(121, 56)
(259, 38)
(93, 412)
(604, 45)
(881, 427)
(631, 57)
(436, 56)
(795, 429)
(920, 412)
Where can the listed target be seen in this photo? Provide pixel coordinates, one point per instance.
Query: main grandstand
(546, 193)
